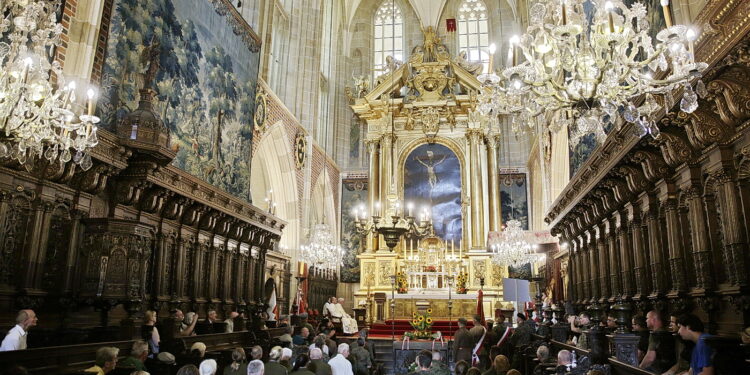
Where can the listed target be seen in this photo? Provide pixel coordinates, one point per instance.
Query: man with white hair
(138, 355)
(347, 322)
(16, 337)
(339, 364)
(255, 367)
(317, 364)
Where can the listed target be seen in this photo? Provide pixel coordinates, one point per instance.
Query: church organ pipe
(734, 240)
(373, 146)
(493, 183)
(477, 203)
(674, 241)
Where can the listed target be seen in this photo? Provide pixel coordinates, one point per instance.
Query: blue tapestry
(353, 196)
(208, 70)
(432, 178)
(513, 199)
(581, 152)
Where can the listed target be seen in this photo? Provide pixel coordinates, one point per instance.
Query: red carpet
(383, 330)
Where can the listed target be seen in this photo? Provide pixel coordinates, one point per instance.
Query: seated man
(331, 311)
(348, 323)
(691, 329)
(106, 360)
(138, 355)
(303, 338)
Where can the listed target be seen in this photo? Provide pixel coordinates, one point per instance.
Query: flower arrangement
(422, 324)
(461, 282)
(430, 269)
(401, 284)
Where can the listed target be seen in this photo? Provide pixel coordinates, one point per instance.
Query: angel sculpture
(474, 68)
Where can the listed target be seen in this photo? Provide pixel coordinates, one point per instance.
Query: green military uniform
(439, 368)
(275, 368)
(319, 367)
(361, 359)
(462, 345)
(132, 362)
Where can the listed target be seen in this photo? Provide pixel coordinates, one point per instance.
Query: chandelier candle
(667, 12)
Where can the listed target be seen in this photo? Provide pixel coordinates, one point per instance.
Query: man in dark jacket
(521, 338)
(462, 343)
(361, 358)
(478, 334)
(317, 364)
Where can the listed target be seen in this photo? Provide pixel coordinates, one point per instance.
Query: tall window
(389, 35)
(473, 31)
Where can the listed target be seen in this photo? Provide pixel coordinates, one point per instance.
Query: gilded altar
(428, 145)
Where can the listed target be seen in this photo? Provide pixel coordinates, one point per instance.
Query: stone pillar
(603, 265)
(373, 147)
(699, 238)
(477, 198)
(674, 240)
(495, 218)
(614, 260)
(732, 228)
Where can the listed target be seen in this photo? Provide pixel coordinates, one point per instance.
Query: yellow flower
(429, 320)
(414, 315)
(429, 311)
(414, 322)
(421, 318)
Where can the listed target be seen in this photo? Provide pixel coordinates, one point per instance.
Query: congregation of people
(667, 345)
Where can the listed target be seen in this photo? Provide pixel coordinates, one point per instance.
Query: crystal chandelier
(37, 116)
(586, 62)
(513, 249)
(321, 252)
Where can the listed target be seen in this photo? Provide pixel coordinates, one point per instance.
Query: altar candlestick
(453, 248)
(460, 249)
(564, 14)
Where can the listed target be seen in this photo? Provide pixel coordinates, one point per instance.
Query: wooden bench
(59, 359)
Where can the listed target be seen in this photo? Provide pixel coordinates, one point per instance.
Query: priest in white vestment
(347, 322)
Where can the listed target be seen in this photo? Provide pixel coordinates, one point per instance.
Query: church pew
(616, 367)
(59, 359)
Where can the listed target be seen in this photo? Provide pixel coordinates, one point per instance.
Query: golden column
(477, 201)
(493, 181)
(373, 147)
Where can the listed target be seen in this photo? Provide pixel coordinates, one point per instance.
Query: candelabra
(589, 62)
(37, 116)
(397, 226)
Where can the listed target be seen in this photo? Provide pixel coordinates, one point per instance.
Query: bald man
(16, 337)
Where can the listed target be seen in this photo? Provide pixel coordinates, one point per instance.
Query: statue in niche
(430, 164)
(475, 68)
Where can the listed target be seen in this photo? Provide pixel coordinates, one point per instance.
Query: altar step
(384, 330)
(384, 355)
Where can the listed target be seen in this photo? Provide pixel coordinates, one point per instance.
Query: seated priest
(348, 323)
(329, 310)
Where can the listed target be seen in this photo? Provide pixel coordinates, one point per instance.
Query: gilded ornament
(300, 150)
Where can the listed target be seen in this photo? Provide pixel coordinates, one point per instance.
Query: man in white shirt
(16, 337)
(348, 323)
(339, 364)
(329, 309)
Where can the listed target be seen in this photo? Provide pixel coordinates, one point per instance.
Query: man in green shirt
(437, 366)
(138, 355)
(660, 354)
